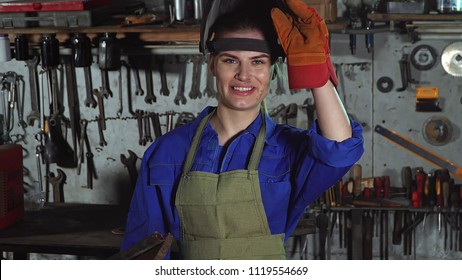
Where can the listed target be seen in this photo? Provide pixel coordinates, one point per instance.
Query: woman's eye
(260, 61)
(229, 60)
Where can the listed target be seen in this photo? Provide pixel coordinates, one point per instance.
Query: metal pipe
(440, 36)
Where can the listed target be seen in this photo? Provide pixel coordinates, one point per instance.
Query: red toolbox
(55, 13)
(11, 185)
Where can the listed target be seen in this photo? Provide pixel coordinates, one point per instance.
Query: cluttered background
(87, 86)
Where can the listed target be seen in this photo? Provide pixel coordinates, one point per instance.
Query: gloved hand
(305, 40)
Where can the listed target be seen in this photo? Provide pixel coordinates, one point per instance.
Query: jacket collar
(252, 129)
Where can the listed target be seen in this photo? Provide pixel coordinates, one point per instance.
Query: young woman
(233, 184)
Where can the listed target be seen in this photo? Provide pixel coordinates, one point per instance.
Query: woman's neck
(229, 123)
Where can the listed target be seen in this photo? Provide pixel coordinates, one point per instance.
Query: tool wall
(148, 94)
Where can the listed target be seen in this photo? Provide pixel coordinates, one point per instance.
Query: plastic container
(5, 48)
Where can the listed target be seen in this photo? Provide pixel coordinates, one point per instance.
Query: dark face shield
(259, 11)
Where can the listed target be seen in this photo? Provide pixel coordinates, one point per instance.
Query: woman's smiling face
(243, 77)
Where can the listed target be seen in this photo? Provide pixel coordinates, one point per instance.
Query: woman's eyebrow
(262, 55)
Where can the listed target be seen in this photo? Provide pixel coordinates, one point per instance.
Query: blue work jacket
(296, 167)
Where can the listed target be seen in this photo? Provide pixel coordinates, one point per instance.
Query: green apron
(222, 215)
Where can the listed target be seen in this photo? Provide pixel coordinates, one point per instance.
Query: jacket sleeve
(145, 213)
(320, 164)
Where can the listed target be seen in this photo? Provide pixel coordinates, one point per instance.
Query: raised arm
(332, 118)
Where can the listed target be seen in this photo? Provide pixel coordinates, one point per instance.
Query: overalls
(222, 215)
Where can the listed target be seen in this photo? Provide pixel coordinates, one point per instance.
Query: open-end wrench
(130, 163)
(196, 77)
(90, 101)
(136, 75)
(34, 91)
(14, 99)
(181, 81)
(105, 88)
(156, 124)
(147, 128)
(163, 77)
(129, 90)
(170, 115)
(280, 82)
(99, 95)
(89, 157)
(150, 97)
(83, 136)
(102, 141)
(210, 84)
(20, 102)
(58, 183)
(121, 108)
(139, 120)
(38, 155)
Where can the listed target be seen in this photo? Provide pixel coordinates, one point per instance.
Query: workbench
(70, 229)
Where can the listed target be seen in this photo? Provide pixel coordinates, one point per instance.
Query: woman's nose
(242, 73)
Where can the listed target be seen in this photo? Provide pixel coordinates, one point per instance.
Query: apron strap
(195, 143)
(256, 153)
(259, 143)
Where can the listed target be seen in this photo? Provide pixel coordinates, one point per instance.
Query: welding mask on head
(215, 10)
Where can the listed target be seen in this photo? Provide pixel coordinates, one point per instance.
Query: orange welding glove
(305, 40)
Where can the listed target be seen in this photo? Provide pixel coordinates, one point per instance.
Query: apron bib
(222, 215)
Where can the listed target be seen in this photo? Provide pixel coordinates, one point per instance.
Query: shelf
(412, 17)
(144, 33)
(130, 34)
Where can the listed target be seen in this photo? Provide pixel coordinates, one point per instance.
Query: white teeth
(242, 88)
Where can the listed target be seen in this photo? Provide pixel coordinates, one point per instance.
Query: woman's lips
(243, 90)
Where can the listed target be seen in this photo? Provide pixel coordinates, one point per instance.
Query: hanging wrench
(196, 77)
(130, 163)
(210, 84)
(156, 124)
(139, 120)
(57, 182)
(83, 136)
(102, 141)
(163, 77)
(38, 154)
(89, 157)
(13, 99)
(169, 115)
(20, 102)
(120, 110)
(280, 82)
(105, 88)
(150, 97)
(147, 128)
(34, 91)
(136, 75)
(181, 81)
(90, 101)
(129, 90)
(99, 95)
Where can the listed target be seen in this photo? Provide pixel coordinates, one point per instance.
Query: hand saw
(419, 150)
